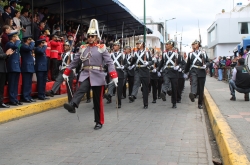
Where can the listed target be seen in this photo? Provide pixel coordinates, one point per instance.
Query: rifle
(74, 38)
(199, 32)
(122, 36)
(181, 41)
(102, 32)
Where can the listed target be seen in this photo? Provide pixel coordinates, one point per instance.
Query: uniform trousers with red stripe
(97, 98)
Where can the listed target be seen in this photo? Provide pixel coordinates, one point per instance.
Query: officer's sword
(67, 80)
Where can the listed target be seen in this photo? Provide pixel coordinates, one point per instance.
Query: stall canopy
(111, 13)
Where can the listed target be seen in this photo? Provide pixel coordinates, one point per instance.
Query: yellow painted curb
(21, 111)
(230, 148)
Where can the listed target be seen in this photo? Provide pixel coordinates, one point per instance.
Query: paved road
(236, 113)
(159, 135)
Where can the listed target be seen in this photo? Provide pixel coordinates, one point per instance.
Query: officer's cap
(12, 34)
(27, 37)
(196, 42)
(127, 47)
(38, 42)
(170, 42)
(117, 43)
(140, 41)
(66, 43)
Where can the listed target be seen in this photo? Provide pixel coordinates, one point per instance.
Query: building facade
(228, 30)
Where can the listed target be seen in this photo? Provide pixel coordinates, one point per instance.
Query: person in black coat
(27, 68)
(6, 13)
(41, 68)
(12, 8)
(3, 70)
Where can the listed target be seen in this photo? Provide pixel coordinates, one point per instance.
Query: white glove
(161, 70)
(131, 67)
(159, 74)
(145, 63)
(122, 67)
(185, 76)
(115, 80)
(65, 77)
(176, 67)
(154, 70)
(180, 70)
(204, 67)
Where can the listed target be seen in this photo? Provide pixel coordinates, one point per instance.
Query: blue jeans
(220, 75)
(233, 87)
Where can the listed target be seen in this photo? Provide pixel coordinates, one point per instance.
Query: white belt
(198, 67)
(118, 67)
(141, 66)
(93, 67)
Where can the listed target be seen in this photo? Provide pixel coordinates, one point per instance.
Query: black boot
(174, 106)
(163, 96)
(50, 93)
(108, 97)
(131, 98)
(246, 96)
(98, 126)
(70, 107)
(191, 96)
(200, 106)
(233, 98)
(169, 93)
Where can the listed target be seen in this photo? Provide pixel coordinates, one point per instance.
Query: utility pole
(144, 39)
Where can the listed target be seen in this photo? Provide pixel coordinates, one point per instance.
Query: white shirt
(234, 74)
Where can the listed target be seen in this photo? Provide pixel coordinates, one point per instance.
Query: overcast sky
(186, 12)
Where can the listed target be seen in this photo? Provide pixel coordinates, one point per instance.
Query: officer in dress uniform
(170, 65)
(27, 68)
(120, 63)
(197, 63)
(141, 60)
(41, 68)
(13, 68)
(93, 56)
(67, 57)
(55, 44)
(154, 78)
(181, 80)
(130, 72)
(160, 75)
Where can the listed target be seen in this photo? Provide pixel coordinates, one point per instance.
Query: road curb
(230, 148)
(30, 109)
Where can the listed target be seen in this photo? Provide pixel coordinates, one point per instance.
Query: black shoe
(4, 105)
(119, 106)
(191, 96)
(233, 98)
(13, 103)
(154, 101)
(19, 103)
(131, 99)
(32, 100)
(246, 96)
(163, 96)
(98, 126)
(123, 97)
(145, 107)
(200, 106)
(26, 101)
(159, 97)
(179, 101)
(50, 93)
(174, 106)
(70, 107)
(108, 97)
(43, 98)
(169, 93)
(88, 101)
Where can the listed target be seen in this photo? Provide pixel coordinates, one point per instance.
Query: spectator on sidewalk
(222, 64)
(240, 80)
(211, 67)
(228, 64)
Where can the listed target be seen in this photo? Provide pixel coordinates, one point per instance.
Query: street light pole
(144, 39)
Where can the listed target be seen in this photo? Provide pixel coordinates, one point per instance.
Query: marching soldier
(27, 68)
(170, 64)
(120, 63)
(197, 63)
(154, 78)
(13, 68)
(130, 71)
(93, 56)
(141, 60)
(66, 58)
(181, 80)
(41, 68)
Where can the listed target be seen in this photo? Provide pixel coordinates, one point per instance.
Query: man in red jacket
(55, 44)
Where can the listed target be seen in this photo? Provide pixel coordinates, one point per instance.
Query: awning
(110, 13)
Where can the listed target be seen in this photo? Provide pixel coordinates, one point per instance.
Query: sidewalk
(236, 113)
(159, 135)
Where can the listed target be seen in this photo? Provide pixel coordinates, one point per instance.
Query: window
(212, 35)
(243, 28)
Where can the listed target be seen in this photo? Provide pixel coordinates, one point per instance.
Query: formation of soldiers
(163, 73)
